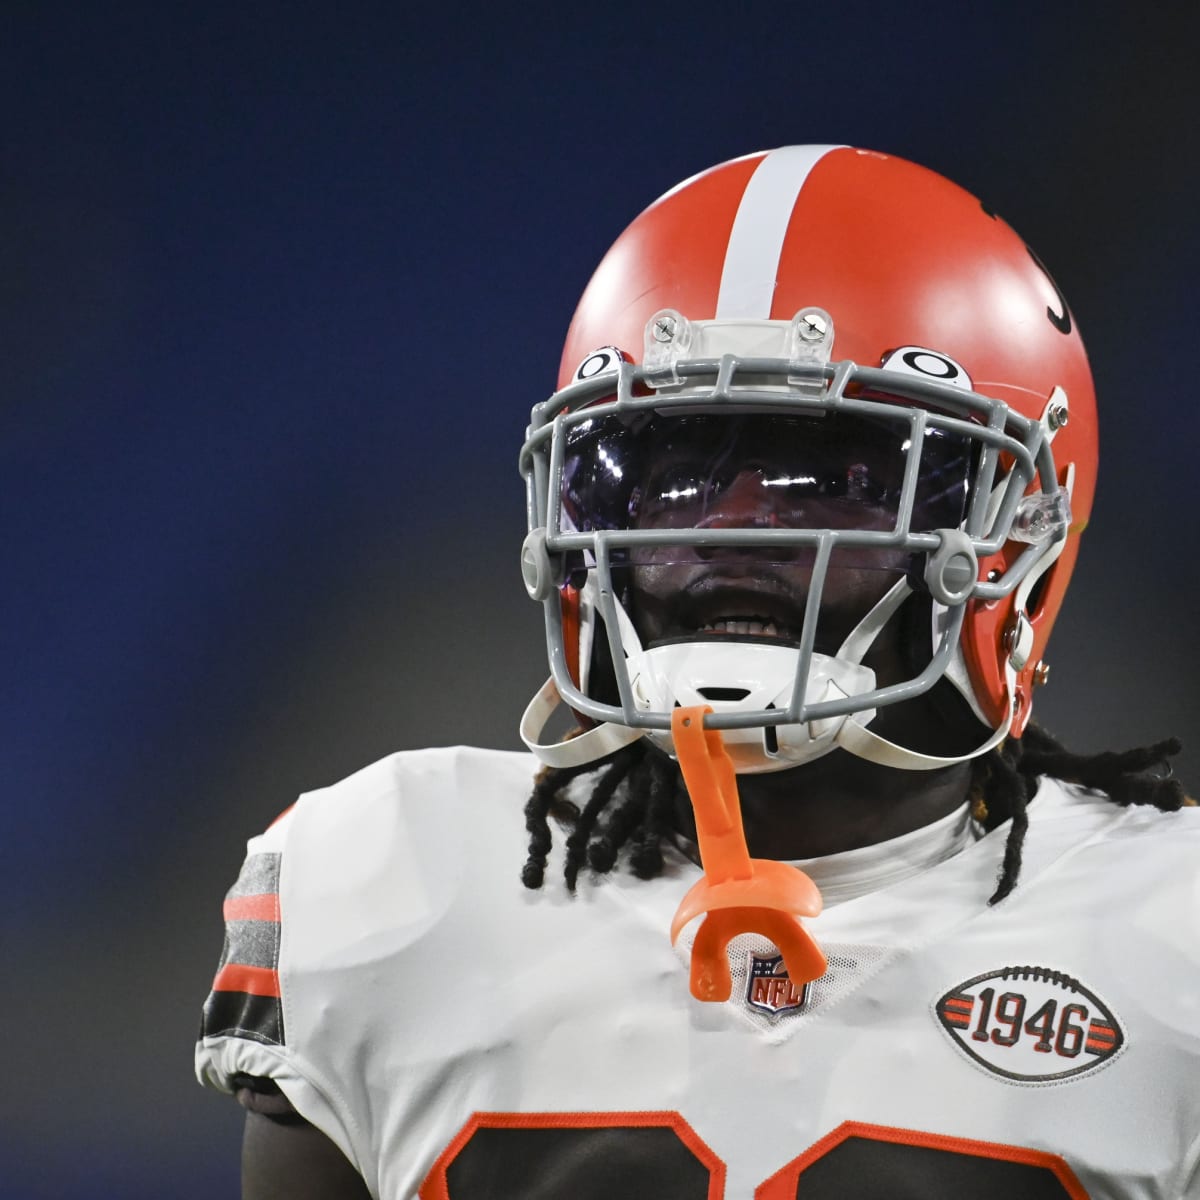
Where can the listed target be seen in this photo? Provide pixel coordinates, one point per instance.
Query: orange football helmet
(809, 301)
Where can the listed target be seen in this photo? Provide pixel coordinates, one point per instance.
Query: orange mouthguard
(738, 894)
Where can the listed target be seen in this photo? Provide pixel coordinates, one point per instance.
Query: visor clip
(666, 339)
(809, 348)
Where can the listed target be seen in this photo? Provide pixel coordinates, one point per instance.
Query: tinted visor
(831, 470)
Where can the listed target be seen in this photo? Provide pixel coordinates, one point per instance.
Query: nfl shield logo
(769, 989)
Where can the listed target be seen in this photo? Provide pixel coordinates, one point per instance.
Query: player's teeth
(751, 627)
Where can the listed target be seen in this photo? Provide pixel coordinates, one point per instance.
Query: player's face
(763, 472)
(699, 592)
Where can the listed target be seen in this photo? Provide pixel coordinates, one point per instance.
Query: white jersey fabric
(460, 1036)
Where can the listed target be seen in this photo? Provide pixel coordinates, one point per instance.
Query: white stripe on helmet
(756, 239)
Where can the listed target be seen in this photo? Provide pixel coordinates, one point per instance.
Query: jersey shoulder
(1061, 801)
(1131, 858)
(364, 862)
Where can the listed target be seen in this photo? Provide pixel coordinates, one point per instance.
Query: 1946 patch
(1030, 1024)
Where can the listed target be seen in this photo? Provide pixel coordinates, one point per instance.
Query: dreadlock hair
(634, 790)
(1005, 780)
(639, 783)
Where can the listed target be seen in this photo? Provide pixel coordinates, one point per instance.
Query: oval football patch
(1030, 1024)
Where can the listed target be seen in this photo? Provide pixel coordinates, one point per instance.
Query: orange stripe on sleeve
(264, 907)
(257, 981)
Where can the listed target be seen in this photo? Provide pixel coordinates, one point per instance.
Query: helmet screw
(1058, 416)
(1041, 674)
(664, 329)
(1010, 639)
(812, 326)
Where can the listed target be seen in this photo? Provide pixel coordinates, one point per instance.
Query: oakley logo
(928, 364)
(599, 362)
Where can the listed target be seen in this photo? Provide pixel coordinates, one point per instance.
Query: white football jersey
(461, 1037)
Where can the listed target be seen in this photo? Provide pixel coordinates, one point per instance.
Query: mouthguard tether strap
(737, 894)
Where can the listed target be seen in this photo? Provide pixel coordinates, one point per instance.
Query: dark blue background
(278, 290)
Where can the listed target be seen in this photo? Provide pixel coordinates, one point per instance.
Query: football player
(835, 918)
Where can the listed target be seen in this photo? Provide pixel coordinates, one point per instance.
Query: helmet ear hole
(1036, 593)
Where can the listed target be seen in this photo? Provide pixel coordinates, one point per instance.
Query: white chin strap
(678, 673)
(589, 746)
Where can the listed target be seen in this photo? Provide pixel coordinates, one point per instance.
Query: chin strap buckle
(737, 894)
